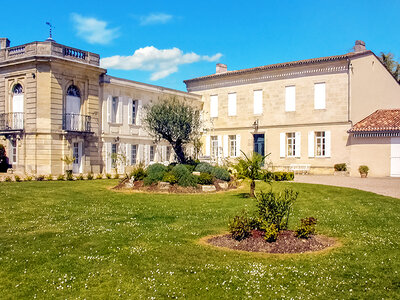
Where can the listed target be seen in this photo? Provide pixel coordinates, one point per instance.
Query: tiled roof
(283, 65)
(381, 120)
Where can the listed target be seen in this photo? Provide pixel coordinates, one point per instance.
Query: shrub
(189, 167)
(61, 177)
(205, 179)
(169, 177)
(28, 178)
(49, 177)
(69, 176)
(108, 175)
(8, 179)
(340, 167)
(138, 173)
(184, 176)
(363, 169)
(17, 178)
(80, 177)
(221, 173)
(90, 176)
(204, 167)
(156, 172)
(266, 175)
(39, 178)
(274, 208)
(270, 232)
(116, 176)
(239, 227)
(306, 228)
(283, 176)
(190, 180)
(99, 176)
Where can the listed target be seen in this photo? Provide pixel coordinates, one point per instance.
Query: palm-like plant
(249, 167)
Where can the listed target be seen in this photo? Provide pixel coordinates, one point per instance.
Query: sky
(166, 42)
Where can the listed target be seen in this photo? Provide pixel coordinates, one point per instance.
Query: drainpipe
(349, 69)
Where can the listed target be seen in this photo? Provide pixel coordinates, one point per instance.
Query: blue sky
(165, 42)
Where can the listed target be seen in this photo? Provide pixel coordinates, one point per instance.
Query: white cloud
(155, 18)
(161, 62)
(94, 31)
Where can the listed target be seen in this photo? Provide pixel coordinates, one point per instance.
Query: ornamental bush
(138, 173)
(340, 167)
(170, 178)
(221, 173)
(184, 176)
(306, 228)
(205, 179)
(240, 226)
(204, 167)
(155, 173)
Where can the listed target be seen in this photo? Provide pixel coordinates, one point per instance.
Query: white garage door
(395, 157)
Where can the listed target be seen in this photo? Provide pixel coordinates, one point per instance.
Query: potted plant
(340, 169)
(363, 171)
(68, 160)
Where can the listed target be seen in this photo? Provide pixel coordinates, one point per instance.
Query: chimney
(359, 46)
(221, 68)
(4, 43)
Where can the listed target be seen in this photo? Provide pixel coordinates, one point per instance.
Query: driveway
(387, 186)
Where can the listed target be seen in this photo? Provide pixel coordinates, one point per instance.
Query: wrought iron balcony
(12, 121)
(76, 123)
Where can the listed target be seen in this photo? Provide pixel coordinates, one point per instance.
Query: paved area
(387, 186)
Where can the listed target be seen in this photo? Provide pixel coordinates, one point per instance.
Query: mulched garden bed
(286, 243)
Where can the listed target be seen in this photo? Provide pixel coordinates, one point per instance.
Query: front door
(395, 157)
(259, 142)
(77, 153)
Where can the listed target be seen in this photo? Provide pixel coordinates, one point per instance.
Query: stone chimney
(359, 46)
(221, 68)
(4, 43)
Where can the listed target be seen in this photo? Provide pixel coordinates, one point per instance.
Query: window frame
(232, 144)
(134, 111)
(114, 109)
(291, 141)
(152, 154)
(134, 149)
(322, 141)
(214, 145)
(316, 99)
(289, 106)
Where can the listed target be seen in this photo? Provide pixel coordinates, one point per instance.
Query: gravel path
(387, 186)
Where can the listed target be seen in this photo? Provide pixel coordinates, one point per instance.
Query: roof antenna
(50, 38)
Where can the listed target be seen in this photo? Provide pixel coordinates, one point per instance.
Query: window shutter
(238, 145)
(219, 145)
(290, 98)
(328, 143)
(232, 104)
(311, 144)
(108, 157)
(109, 103)
(257, 102)
(120, 109)
(319, 95)
(298, 144)
(282, 149)
(130, 110)
(140, 153)
(226, 146)
(214, 106)
(128, 152)
(139, 113)
(208, 145)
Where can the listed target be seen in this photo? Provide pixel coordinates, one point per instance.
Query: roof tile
(380, 120)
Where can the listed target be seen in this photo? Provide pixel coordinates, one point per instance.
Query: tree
(174, 121)
(391, 65)
(250, 167)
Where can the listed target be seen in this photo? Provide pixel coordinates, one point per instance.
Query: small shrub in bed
(340, 167)
(204, 167)
(221, 173)
(49, 177)
(184, 176)
(155, 173)
(28, 178)
(205, 179)
(240, 227)
(108, 175)
(17, 178)
(138, 173)
(283, 176)
(39, 178)
(90, 176)
(80, 177)
(61, 177)
(170, 178)
(270, 232)
(306, 228)
(8, 179)
(189, 180)
(99, 176)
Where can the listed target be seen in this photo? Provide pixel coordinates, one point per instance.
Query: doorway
(77, 154)
(259, 142)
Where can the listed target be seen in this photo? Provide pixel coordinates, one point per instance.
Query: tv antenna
(50, 38)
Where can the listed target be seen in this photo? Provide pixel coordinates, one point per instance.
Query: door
(77, 153)
(259, 144)
(395, 157)
(73, 110)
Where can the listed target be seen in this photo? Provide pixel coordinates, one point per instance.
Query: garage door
(395, 157)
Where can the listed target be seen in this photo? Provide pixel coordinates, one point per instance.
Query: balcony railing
(12, 121)
(76, 123)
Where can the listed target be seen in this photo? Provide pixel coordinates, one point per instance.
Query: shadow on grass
(242, 195)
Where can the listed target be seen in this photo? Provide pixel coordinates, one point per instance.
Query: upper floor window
(114, 109)
(17, 89)
(134, 111)
(18, 103)
(73, 91)
(152, 153)
(214, 106)
(319, 95)
(290, 98)
(257, 102)
(232, 104)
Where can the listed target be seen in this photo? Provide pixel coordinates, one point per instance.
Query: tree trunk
(252, 188)
(179, 153)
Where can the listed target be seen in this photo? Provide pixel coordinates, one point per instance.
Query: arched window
(73, 120)
(17, 110)
(73, 91)
(17, 89)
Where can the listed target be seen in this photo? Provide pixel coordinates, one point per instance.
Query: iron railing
(12, 121)
(76, 122)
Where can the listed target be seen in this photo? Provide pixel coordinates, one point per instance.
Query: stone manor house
(56, 100)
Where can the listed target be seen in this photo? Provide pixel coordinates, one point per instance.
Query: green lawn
(81, 240)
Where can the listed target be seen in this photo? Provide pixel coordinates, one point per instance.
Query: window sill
(114, 124)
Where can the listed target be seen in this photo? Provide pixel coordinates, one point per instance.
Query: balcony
(76, 123)
(10, 122)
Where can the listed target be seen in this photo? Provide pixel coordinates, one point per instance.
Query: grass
(79, 239)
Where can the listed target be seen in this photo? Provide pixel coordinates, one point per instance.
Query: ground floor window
(320, 143)
(232, 145)
(113, 156)
(76, 153)
(133, 154)
(168, 153)
(13, 149)
(152, 153)
(291, 144)
(214, 146)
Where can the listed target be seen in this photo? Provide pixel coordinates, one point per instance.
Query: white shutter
(219, 145)
(140, 153)
(238, 145)
(226, 153)
(139, 112)
(311, 144)
(214, 106)
(129, 110)
(109, 104)
(108, 157)
(128, 154)
(328, 143)
(164, 153)
(290, 98)
(282, 149)
(319, 95)
(298, 144)
(232, 104)
(257, 102)
(120, 109)
(208, 145)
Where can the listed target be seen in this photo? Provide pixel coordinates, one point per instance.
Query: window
(214, 106)
(257, 105)
(114, 109)
(76, 153)
(290, 98)
(133, 154)
(214, 146)
(319, 95)
(291, 144)
(152, 153)
(168, 153)
(113, 156)
(13, 144)
(232, 104)
(320, 143)
(17, 107)
(134, 111)
(232, 145)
